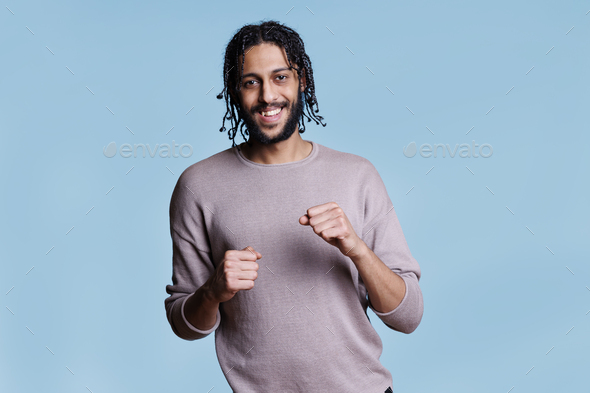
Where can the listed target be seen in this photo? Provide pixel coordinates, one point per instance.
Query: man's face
(269, 85)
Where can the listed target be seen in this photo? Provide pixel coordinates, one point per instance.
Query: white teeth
(271, 113)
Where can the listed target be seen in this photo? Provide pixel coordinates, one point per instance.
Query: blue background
(500, 240)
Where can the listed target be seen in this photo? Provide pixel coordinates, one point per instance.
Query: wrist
(208, 295)
(359, 252)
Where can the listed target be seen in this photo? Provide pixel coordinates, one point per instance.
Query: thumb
(304, 220)
(248, 248)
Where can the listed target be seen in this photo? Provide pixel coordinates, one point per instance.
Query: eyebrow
(273, 71)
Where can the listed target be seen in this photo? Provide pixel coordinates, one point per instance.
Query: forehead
(264, 58)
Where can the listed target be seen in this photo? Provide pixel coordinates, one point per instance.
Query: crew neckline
(311, 156)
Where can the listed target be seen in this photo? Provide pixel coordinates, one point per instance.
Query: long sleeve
(383, 234)
(191, 259)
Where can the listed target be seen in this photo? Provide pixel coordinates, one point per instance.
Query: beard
(295, 113)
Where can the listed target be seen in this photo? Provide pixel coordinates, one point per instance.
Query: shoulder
(208, 170)
(360, 173)
(349, 163)
(203, 175)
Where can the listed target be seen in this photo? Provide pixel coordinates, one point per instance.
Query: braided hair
(252, 35)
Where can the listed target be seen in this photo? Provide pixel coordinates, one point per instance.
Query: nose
(268, 93)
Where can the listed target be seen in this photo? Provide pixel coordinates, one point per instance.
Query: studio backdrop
(475, 114)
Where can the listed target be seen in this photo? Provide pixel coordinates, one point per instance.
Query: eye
(248, 83)
(282, 76)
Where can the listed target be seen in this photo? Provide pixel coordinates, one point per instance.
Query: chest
(267, 218)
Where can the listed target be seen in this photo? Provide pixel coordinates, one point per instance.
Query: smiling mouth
(272, 116)
(271, 113)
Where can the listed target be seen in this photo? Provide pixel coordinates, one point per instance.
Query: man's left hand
(331, 224)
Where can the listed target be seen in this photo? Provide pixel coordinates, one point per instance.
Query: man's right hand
(237, 271)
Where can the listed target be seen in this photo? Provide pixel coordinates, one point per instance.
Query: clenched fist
(237, 271)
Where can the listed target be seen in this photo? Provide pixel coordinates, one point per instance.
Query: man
(280, 244)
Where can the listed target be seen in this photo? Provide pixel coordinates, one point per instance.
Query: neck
(290, 150)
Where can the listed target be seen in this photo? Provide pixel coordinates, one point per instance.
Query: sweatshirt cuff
(407, 315)
(195, 333)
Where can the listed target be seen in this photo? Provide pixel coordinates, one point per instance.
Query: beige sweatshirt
(304, 326)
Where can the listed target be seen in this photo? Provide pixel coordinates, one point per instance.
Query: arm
(192, 264)
(191, 269)
(386, 289)
(391, 275)
(198, 286)
(397, 292)
(200, 309)
(399, 305)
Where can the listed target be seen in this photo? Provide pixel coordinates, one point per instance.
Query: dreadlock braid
(252, 35)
